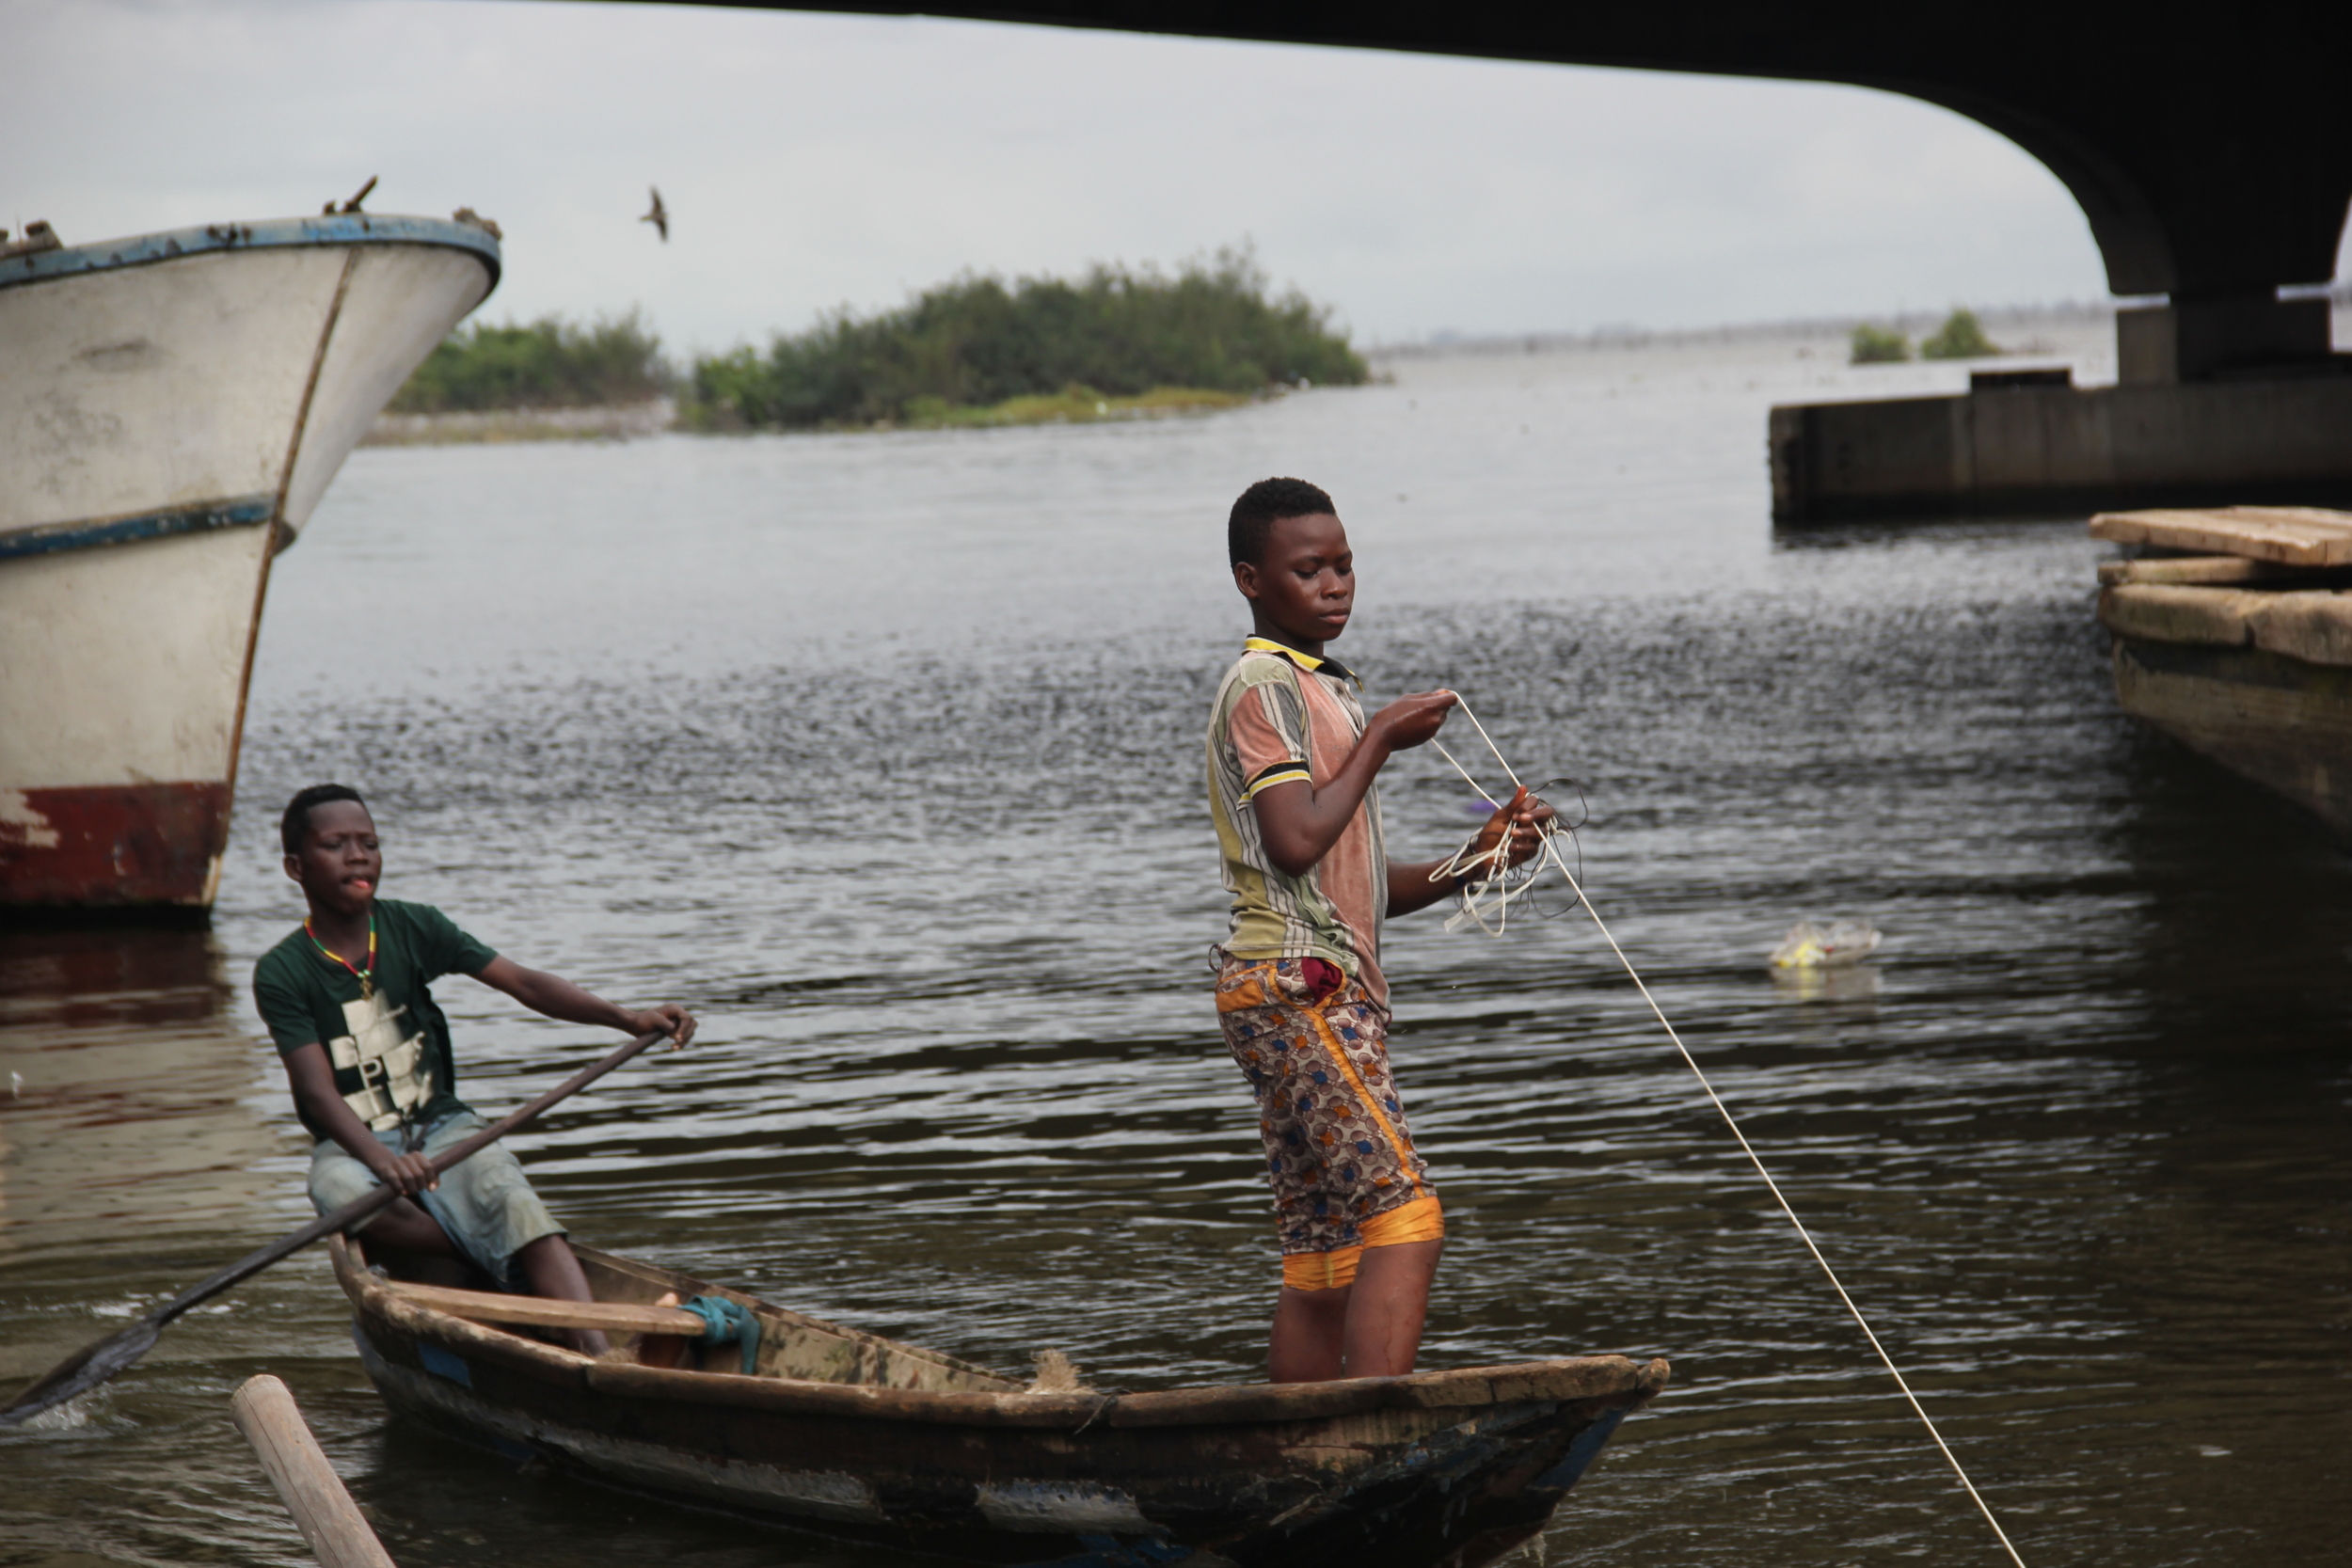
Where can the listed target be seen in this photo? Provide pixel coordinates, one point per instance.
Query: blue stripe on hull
(1581, 1453)
(91, 533)
(276, 234)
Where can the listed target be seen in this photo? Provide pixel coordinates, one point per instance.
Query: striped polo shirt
(1282, 715)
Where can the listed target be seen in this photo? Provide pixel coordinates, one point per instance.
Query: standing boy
(1299, 992)
(346, 999)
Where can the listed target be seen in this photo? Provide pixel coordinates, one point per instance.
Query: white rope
(1550, 851)
(1486, 879)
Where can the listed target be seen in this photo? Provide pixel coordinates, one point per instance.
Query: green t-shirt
(390, 1051)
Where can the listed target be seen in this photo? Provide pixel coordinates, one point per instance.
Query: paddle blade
(82, 1372)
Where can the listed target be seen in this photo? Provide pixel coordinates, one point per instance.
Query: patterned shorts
(1339, 1154)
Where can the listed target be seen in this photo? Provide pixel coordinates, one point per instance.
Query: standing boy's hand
(1524, 818)
(1413, 720)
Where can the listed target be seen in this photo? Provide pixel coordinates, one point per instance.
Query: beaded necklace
(365, 977)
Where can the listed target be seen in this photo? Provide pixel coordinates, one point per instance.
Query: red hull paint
(114, 845)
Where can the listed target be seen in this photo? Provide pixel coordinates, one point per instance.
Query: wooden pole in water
(297, 1466)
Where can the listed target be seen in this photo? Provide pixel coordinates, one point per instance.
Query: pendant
(367, 987)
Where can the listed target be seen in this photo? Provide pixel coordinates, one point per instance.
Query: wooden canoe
(854, 1437)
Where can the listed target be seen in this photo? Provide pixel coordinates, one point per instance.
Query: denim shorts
(486, 1204)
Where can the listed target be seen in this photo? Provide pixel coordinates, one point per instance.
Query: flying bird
(659, 216)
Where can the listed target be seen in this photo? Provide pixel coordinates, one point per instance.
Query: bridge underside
(2212, 155)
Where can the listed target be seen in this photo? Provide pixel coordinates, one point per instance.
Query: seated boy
(346, 999)
(1299, 990)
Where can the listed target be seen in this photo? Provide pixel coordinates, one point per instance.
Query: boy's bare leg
(1369, 1330)
(551, 1269)
(1309, 1329)
(407, 1228)
(1390, 1299)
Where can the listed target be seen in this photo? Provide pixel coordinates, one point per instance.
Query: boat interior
(791, 1344)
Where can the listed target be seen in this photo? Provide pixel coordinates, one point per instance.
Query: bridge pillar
(2226, 337)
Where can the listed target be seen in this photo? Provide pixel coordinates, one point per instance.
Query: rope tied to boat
(1477, 893)
(727, 1322)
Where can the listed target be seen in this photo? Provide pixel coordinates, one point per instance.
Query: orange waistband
(1422, 1220)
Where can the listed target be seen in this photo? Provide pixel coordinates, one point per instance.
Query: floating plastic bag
(1809, 945)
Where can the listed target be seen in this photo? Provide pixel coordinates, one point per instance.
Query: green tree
(979, 341)
(1876, 345)
(1961, 336)
(551, 363)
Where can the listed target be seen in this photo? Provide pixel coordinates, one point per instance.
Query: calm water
(884, 751)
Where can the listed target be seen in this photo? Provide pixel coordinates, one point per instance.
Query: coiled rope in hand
(1486, 898)
(1487, 881)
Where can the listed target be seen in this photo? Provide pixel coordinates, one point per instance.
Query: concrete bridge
(2211, 154)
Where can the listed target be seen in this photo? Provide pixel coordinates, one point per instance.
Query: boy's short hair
(1262, 506)
(296, 821)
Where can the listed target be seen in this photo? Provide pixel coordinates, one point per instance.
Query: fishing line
(1495, 862)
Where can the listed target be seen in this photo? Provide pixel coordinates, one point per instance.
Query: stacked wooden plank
(2276, 577)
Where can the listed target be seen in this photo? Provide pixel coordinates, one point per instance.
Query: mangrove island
(979, 351)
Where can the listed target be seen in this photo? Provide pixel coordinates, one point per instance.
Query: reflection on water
(885, 752)
(1845, 983)
(126, 1077)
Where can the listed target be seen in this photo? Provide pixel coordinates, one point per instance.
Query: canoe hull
(176, 406)
(1451, 1470)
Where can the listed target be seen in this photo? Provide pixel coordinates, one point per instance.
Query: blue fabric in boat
(727, 1322)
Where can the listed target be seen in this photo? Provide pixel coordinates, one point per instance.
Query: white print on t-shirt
(395, 1074)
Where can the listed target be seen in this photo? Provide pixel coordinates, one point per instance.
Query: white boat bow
(175, 405)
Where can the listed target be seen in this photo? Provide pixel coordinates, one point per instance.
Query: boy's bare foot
(661, 1349)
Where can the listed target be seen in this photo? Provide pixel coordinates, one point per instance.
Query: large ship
(172, 406)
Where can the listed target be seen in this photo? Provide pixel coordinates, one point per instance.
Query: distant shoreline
(2020, 327)
(620, 422)
(660, 415)
(1999, 319)
(2017, 325)
(2011, 319)
(1070, 405)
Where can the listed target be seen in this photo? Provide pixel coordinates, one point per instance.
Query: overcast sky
(810, 160)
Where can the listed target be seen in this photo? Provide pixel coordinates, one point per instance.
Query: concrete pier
(2016, 447)
(2244, 654)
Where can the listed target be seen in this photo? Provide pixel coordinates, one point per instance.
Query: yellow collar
(1305, 662)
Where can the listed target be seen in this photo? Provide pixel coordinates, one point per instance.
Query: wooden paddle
(92, 1364)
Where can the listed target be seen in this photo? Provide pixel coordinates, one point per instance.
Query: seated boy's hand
(668, 1019)
(408, 1174)
(1413, 720)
